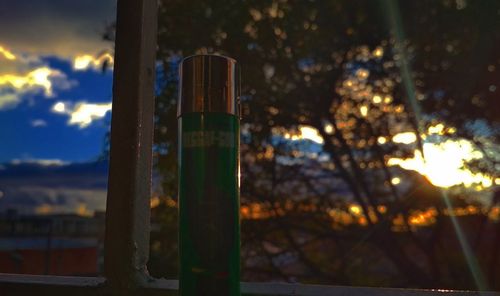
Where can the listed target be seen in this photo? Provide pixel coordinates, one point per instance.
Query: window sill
(18, 284)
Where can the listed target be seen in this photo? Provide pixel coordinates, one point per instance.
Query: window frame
(126, 245)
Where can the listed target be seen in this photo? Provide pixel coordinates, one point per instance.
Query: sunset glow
(354, 214)
(443, 164)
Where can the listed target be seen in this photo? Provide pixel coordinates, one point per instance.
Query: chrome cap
(209, 83)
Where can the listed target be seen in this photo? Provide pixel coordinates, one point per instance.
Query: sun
(444, 164)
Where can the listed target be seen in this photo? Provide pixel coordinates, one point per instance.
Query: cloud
(47, 200)
(86, 61)
(7, 54)
(40, 78)
(8, 99)
(31, 31)
(22, 75)
(56, 27)
(32, 186)
(82, 113)
(38, 123)
(78, 208)
(53, 186)
(38, 161)
(59, 107)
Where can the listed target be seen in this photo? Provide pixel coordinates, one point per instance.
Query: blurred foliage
(352, 70)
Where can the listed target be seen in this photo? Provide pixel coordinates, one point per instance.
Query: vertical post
(126, 245)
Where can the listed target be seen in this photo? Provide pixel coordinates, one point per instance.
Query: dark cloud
(55, 27)
(41, 188)
(48, 186)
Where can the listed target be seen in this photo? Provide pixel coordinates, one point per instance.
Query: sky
(55, 108)
(55, 100)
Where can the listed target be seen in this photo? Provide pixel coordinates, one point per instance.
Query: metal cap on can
(209, 83)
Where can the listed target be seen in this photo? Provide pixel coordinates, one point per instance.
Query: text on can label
(207, 139)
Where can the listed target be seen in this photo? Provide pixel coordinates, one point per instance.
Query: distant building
(63, 244)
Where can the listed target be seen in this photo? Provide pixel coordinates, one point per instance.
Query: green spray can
(209, 222)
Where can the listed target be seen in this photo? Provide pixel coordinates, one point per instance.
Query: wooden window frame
(126, 245)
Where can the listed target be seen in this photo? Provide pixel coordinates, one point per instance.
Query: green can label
(209, 228)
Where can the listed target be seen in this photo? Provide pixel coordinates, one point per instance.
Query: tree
(339, 68)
